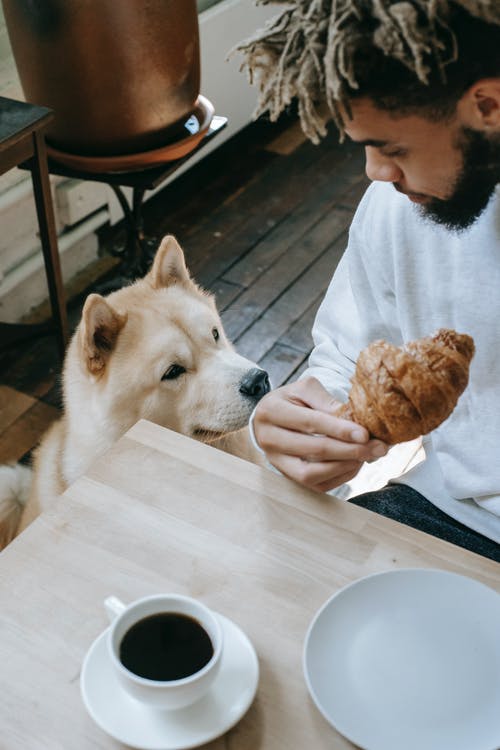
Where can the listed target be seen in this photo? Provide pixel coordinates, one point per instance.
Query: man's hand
(297, 428)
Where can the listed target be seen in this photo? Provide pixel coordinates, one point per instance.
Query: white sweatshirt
(402, 278)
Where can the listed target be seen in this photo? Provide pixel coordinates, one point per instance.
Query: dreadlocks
(402, 53)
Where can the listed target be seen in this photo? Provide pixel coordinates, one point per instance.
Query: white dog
(153, 350)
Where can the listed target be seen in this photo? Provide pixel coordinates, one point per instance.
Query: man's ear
(99, 331)
(169, 266)
(479, 107)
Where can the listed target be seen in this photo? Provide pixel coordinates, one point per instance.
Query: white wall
(22, 278)
(221, 28)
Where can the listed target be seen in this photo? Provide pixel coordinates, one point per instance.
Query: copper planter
(122, 76)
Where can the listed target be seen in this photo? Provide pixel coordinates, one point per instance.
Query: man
(416, 83)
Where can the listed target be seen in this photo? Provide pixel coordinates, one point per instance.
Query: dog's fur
(155, 350)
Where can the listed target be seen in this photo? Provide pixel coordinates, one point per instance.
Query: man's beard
(474, 185)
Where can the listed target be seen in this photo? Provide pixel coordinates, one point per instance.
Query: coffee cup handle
(113, 607)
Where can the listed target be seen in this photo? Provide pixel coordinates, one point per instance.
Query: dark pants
(404, 504)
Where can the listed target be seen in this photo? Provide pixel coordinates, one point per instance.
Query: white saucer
(409, 659)
(145, 728)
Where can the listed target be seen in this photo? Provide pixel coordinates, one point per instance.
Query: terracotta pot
(121, 75)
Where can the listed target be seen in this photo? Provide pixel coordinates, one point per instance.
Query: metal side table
(135, 255)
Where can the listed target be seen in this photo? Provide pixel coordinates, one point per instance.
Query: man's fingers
(312, 394)
(297, 428)
(314, 448)
(332, 484)
(313, 475)
(296, 417)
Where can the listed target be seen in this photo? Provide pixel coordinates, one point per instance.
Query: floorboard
(281, 362)
(12, 405)
(286, 269)
(298, 336)
(289, 306)
(24, 433)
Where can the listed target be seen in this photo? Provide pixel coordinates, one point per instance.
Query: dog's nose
(255, 383)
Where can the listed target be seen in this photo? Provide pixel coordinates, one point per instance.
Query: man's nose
(255, 384)
(381, 168)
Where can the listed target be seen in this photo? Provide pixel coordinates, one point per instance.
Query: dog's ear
(99, 329)
(169, 266)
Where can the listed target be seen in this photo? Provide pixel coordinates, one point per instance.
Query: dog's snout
(255, 383)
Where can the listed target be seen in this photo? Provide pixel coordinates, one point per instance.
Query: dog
(156, 350)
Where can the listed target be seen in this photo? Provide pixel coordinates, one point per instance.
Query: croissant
(399, 393)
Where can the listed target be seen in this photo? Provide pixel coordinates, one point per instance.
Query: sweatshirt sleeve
(359, 305)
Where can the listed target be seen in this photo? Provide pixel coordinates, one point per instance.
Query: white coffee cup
(175, 693)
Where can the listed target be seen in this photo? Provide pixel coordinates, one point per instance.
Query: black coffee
(166, 646)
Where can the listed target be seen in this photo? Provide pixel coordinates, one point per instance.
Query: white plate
(136, 725)
(409, 660)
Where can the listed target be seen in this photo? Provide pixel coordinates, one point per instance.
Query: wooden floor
(263, 223)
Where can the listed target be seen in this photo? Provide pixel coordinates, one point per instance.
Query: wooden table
(22, 142)
(160, 513)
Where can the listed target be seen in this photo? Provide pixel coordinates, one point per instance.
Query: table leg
(136, 256)
(48, 238)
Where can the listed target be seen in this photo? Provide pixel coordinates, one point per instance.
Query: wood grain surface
(162, 513)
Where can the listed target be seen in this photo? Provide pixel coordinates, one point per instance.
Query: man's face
(448, 170)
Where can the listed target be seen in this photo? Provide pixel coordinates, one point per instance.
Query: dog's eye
(173, 372)
(215, 334)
